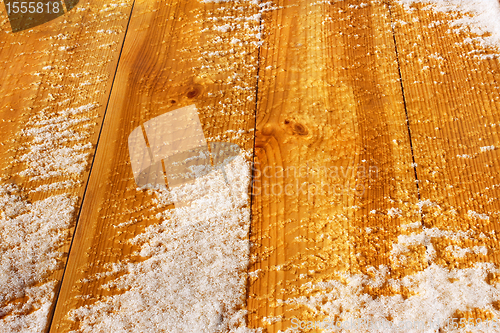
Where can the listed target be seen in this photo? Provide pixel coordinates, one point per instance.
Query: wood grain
(329, 99)
(367, 117)
(451, 85)
(176, 53)
(62, 64)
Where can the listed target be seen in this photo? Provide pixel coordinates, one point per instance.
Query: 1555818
(31, 13)
(32, 7)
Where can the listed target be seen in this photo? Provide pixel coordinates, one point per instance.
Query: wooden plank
(329, 99)
(64, 64)
(176, 53)
(451, 85)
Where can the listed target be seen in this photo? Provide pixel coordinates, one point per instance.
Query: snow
(52, 154)
(30, 236)
(436, 293)
(487, 148)
(476, 215)
(55, 148)
(32, 233)
(432, 295)
(481, 16)
(193, 278)
(394, 212)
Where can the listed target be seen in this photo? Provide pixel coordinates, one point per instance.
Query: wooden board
(344, 150)
(329, 99)
(176, 53)
(452, 96)
(65, 63)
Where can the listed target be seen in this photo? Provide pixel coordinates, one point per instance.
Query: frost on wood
(428, 297)
(480, 16)
(30, 236)
(436, 294)
(194, 276)
(55, 148)
(64, 76)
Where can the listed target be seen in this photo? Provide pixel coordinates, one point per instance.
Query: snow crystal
(436, 293)
(30, 236)
(487, 148)
(54, 149)
(481, 16)
(194, 276)
(394, 212)
(476, 215)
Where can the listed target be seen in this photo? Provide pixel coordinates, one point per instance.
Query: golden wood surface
(337, 132)
(167, 62)
(453, 102)
(64, 63)
(451, 86)
(330, 108)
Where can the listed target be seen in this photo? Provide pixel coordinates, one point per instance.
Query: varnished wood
(329, 98)
(452, 96)
(168, 62)
(359, 108)
(64, 63)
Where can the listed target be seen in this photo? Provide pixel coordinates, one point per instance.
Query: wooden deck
(366, 109)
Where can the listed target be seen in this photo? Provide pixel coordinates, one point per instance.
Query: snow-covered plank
(176, 54)
(55, 83)
(334, 175)
(451, 77)
(449, 55)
